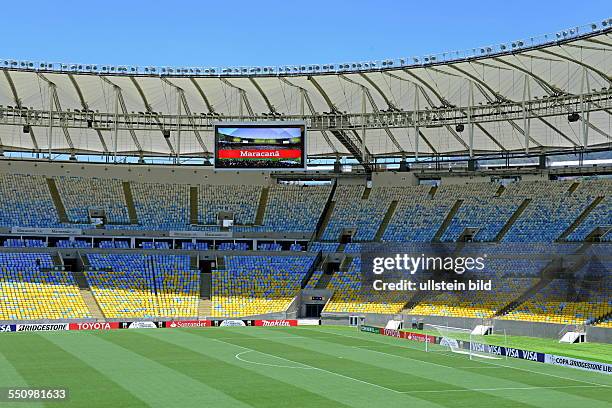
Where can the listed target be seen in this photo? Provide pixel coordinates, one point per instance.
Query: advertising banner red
(418, 337)
(276, 323)
(391, 332)
(94, 326)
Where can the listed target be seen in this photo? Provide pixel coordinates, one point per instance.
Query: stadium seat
(31, 290)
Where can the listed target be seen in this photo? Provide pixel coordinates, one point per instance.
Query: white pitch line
(314, 368)
(407, 358)
(276, 337)
(548, 374)
(266, 364)
(500, 389)
(487, 362)
(479, 368)
(422, 361)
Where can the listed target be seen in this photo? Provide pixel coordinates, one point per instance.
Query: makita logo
(275, 323)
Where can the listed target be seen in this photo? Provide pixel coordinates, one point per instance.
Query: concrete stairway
(447, 220)
(205, 285)
(323, 281)
(366, 193)
(385, 221)
(204, 308)
(519, 211)
(92, 304)
(129, 200)
(193, 205)
(329, 209)
(580, 219)
(263, 203)
(57, 201)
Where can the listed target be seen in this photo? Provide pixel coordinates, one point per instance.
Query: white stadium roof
(509, 98)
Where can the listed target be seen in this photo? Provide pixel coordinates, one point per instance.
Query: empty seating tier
(30, 290)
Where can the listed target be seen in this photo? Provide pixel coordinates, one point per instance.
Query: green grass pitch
(322, 366)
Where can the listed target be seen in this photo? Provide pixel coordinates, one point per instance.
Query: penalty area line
(238, 357)
(484, 362)
(503, 389)
(312, 367)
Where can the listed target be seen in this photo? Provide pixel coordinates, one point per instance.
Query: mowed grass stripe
(339, 391)
(152, 382)
(547, 370)
(44, 364)
(10, 377)
(458, 360)
(460, 378)
(522, 366)
(243, 385)
(516, 371)
(357, 364)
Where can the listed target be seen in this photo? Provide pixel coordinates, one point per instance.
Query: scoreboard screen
(272, 146)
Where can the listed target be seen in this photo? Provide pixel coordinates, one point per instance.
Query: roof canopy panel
(506, 99)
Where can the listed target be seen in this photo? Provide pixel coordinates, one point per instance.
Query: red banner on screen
(259, 154)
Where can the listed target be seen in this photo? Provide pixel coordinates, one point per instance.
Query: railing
(550, 106)
(310, 69)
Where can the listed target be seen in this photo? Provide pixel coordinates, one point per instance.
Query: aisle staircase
(385, 222)
(193, 205)
(129, 201)
(57, 201)
(92, 304)
(447, 220)
(263, 203)
(519, 211)
(580, 219)
(204, 308)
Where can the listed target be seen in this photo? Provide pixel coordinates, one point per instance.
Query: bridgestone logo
(41, 327)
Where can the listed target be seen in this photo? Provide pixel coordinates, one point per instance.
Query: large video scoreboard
(265, 146)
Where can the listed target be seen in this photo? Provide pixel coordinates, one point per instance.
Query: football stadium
(427, 231)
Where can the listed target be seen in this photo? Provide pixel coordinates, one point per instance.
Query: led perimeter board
(260, 146)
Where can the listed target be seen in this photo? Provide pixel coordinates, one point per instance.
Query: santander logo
(189, 323)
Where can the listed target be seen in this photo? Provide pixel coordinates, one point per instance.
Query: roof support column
(584, 112)
(469, 118)
(363, 125)
(50, 131)
(302, 100)
(416, 122)
(116, 130)
(526, 120)
(178, 130)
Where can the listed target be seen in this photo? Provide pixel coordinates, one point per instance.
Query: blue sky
(221, 33)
